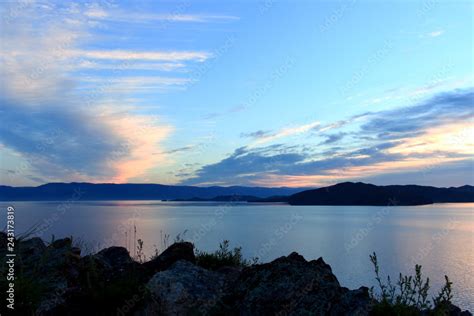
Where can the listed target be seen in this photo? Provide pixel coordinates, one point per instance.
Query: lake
(439, 236)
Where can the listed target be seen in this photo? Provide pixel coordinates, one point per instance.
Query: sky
(256, 93)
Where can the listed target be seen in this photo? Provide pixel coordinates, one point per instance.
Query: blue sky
(272, 93)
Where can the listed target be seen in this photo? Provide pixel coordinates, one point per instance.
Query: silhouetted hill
(349, 193)
(90, 191)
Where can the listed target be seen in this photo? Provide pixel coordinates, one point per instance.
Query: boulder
(115, 257)
(109, 264)
(185, 289)
(453, 310)
(175, 252)
(32, 247)
(54, 269)
(55, 260)
(76, 252)
(61, 243)
(293, 286)
(59, 255)
(231, 273)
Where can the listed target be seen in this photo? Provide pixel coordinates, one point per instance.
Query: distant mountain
(238, 198)
(90, 191)
(349, 193)
(222, 198)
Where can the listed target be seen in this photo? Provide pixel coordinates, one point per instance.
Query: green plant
(223, 257)
(180, 237)
(445, 295)
(30, 232)
(155, 254)
(140, 257)
(410, 294)
(164, 239)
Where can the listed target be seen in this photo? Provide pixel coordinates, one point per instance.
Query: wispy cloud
(286, 132)
(134, 84)
(436, 33)
(179, 15)
(143, 56)
(49, 125)
(179, 149)
(257, 134)
(444, 108)
(333, 138)
(151, 66)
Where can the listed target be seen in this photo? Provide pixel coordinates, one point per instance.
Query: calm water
(440, 237)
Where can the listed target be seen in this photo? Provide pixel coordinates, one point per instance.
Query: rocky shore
(55, 279)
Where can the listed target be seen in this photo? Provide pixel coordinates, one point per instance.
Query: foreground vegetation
(111, 290)
(409, 296)
(223, 257)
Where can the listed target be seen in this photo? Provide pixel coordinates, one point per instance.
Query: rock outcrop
(175, 252)
(52, 270)
(55, 280)
(293, 286)
(109, 264)
(286, 286)
(185, 289)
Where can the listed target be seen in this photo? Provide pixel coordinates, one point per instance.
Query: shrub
(222, 257)
(409, 296)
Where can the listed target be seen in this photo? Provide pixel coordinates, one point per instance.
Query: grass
(222, 257)
(409, 296)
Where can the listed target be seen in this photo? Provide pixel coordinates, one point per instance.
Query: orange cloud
(142, 136)
(353, 173)
(455, 138)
